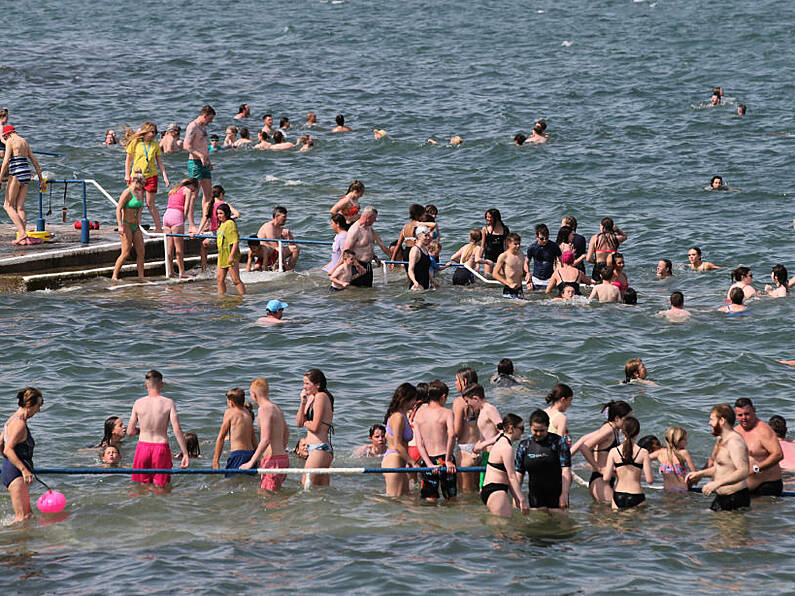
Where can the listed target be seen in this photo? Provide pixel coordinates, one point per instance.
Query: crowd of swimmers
(419, 431)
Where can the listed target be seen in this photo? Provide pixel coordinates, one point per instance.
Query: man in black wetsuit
(546, 458)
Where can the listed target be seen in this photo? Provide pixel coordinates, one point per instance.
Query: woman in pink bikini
(603, 244)
(180, 207)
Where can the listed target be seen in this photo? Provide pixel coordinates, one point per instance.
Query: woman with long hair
(627, 462)
(601, 245)
(398, 435)
(316, 414)
(180, 208)
(144, 153)
(128, 220)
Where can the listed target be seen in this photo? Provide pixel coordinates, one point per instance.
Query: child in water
(238, 424)
(111, 455)
(191, 446)
(347, 272)
(675, 461)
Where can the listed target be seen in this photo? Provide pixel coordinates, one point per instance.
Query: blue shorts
(237, 459)
(199, 171)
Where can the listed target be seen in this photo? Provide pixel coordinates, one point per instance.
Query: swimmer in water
(242, 112)
(111, 455)
(675, 461)
(519, 139)
(230, 140)
(606, 291)
(736, 296)
(377, 445)
(340, 120)
(715, 101)
(716, 183)
(664, 269)
(466, 429)
(279, 144)
(274, 311)
(311, 120)
(115, 431)
(348, 270)
(779, 426)
(262, 138)
(307, 143)
(635, 372)
(538, 134)
(274, 436)
(779, 276)
(696, 264)
(509, 269)
(676, 312)
(504, 376)
(566, 293)
(743, 278)
(399, 433)
(379, 133)
(742, 109)
(245, 137)
(110, 137)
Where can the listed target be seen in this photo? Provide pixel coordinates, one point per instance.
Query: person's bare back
(273, 429)
(435, 425)
(152, 414)
(606, 292)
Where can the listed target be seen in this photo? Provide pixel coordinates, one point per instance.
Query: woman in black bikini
(596, 445)
(493, 238)
(627, 462)
(500, 484)
(17, 446)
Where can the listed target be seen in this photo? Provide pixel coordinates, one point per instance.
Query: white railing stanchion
(166, 256)
(384, 266)
(281, 257)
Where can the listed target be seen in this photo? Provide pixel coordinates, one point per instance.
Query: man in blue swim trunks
(199, 165)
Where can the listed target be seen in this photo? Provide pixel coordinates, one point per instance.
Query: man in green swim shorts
(199, 165)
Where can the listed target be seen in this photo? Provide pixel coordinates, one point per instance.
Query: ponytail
(631, 429)
(508, 421)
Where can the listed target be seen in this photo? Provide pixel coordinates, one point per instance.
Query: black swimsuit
(492, 487)
(494, 244)
(422, 270)
(627, 500)
(615, 443)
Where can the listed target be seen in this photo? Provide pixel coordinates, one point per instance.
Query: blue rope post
(40, 220)
(84, 227)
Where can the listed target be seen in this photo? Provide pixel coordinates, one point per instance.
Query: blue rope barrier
(50, 153)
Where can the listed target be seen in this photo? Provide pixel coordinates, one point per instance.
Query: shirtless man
(435, 434)
(170, 142)
(606, 291)
(275, 229)
(154, 412)
(279, 144)
(274, 436)
(340, 120)
(509, 269)
(243, 112)
(764, 450)
(238, 425)
(677, 311)
(729, 470)
(466, 428)
(267, 124)
(361, 240)
(696, 264)
(199, 165)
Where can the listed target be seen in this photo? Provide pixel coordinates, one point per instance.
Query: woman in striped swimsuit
(16, 166)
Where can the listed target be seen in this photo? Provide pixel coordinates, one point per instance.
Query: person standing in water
(466, 428)
(17, 447)
(435, 435)
(501, 482)
(627, 461)
(238, 425)
(143, 152)
(398, 435)
(274, 436)
(764, 450)
(546, 459)
(316, 414)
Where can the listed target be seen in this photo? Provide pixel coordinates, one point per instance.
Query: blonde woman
(144, 152)
(128, 218)
(675, 461)
(180, 207)
(16, 167)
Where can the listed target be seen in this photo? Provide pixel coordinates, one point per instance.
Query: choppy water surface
(631, 138)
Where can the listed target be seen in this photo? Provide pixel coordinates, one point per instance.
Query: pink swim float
(51, 502)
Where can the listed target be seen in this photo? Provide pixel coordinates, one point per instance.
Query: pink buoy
(51, 502)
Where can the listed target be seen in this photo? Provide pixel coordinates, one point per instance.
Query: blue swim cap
(275, 305)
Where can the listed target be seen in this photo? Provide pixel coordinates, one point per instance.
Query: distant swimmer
(379, 133)
(361, 239)
(779, 426)
(231, 137)
(348, 204)
(675, 461)
(509, 269)
(606, 291)
(267, 124)
(340, 120)
(170, 141)
(504, 376)
(716, 183)
(743, 279)
(627, 462)
(149, 419)
(274, 230)
(455, 140)
(764, 450)
(262, 140)
(215, 144)
(729, 468)
(715, 100)
(274, 436)
(538, 134)
(742, 109)
(279, 144)
(736, 297)
(274, 311)
(199, 164)
(635, 372)
(545, 457)
(311, 120)
(696, 264)
(566, 293)
(238, 426)
(242, 112)
(16, 165)
(630, 297)
(519, 139)
(377, 445)
(306, 142)
(665, 269)
(245, 138)
(284, 125)
(780, 278)
(677, 312)
(17, 446)
(110, 137)
(501, 482)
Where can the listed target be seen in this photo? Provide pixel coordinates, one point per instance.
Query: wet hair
(780, 274)
(779, 425)
(217, 191)
(348, 253)
(607, 273)
(207, 111)
(630, 428)
(416, 211)
(356, 186)
(726, 412)
(279, 210)
(283, 120)
(513, 236)
(563, 235)
(496, 216)
(316, 376)
(474, 390)
(571, 221)
(376, 427)
(422, 392)
(110, 424)
(232, 129)
(242, 107)
(736, 295)
(742, 108)
(630, 296)
(697, 249)
(432, 210)
(109, 446)
(475, 235)
(669, 266)
(508, 421)
(743, 402)
(616, 409)
(505, 366)
(401, 398)
(673, 436)
(227, 210)
(677, 299)
(542, 229)
(607, 224)
(192, 444)
(237, 396)
(437, 390)
(559, 392)
(154, 375)
(278, 137)
(519, 138)
(339, 119)
(468, 376)
(539, 417)
(339, 219)
(631, 369)
(244, 134)
(648, 442)
(712, 180)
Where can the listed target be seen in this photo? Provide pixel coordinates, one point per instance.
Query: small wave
(566, 43)
(286, 181)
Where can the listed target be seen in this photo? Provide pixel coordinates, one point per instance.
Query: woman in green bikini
(128, 218)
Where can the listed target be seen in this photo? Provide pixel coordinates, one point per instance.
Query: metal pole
(167, 257)
(40, 220)
(281, 259)
(84, 227)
